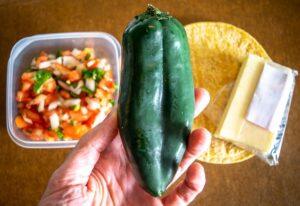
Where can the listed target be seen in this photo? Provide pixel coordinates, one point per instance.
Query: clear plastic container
(105, 45)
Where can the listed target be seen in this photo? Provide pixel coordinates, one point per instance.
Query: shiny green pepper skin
(156, 100)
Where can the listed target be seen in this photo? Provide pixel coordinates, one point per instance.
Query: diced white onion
(71, 102)
(51, 56)
(54, 121)
(44, 65)
(93, 104)
(99, 118)
(53, 105)
(41, 106)
(56, 72)
(65, 117)
(102, 63)
(90, 83)
(26, 119)
(33, 62)
(76, 52)
(105, 88)
(80, 67)
(68, 61)
(107, 67)
(90, 63)
(76, 90)
(83, 110)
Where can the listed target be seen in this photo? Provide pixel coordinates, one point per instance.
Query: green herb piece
(87, 90)
(96, 74)
(87, 56)
(75, 107)
(74, 95)
(116, 86)
(59, 133)
(112, 101)
(58, 53)
(49, 129)
(28, 69)
(74, 84)
(58, 88)
(72, 122)
(40, 78)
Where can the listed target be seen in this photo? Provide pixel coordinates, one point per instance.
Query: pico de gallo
(64, 95)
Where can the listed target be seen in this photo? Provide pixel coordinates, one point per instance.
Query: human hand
(97, 171)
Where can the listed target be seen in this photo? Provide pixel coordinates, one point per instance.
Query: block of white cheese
(233, 125)
(271, 96)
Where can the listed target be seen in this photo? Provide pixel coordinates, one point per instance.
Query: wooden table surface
(24, 173)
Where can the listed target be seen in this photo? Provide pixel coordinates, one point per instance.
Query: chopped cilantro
(58, 88)
(74, 84)
(87, 90)
(96, 74)
(72, 122)
(40, 78)
(59, 133)
(112, 101)
(75, 107)
(28, 69)
(87, 56)
(74, 95)
(116, 86)
(58, 53)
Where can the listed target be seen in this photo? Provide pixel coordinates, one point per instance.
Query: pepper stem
(152, 10)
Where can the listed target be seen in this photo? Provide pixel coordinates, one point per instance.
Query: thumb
(83, 158)
(99, 137)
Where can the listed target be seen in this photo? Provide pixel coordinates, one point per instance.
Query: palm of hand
(98, 172)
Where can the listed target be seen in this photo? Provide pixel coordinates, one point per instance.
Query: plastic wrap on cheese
(256, 114)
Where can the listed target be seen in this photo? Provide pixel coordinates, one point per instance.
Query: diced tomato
(76, 131)
(85, 52)
(78, 116)
(28, 76)
(34, 133)
(47, 113)
(21, 123)
(106, 85)
(38, 99)
(65, 94)
(43, 54)
(64, 70)
(34, 116)
(66, 53)
(92, 64)
(23, 96)
(108, 75)
(43, 57)
(49, 86)
(91, 120)
(51, 98)
(50, 135)
(73, 76)
(26, 85)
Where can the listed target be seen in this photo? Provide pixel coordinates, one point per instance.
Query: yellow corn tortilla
(217, 52)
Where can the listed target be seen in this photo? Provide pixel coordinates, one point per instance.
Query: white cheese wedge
(271, 96)
(233, 125)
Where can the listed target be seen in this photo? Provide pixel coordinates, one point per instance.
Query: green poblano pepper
(156, 103)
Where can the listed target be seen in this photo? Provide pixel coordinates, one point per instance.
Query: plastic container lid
(105, 46)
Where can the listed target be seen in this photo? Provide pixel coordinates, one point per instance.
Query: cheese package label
(271, 96)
